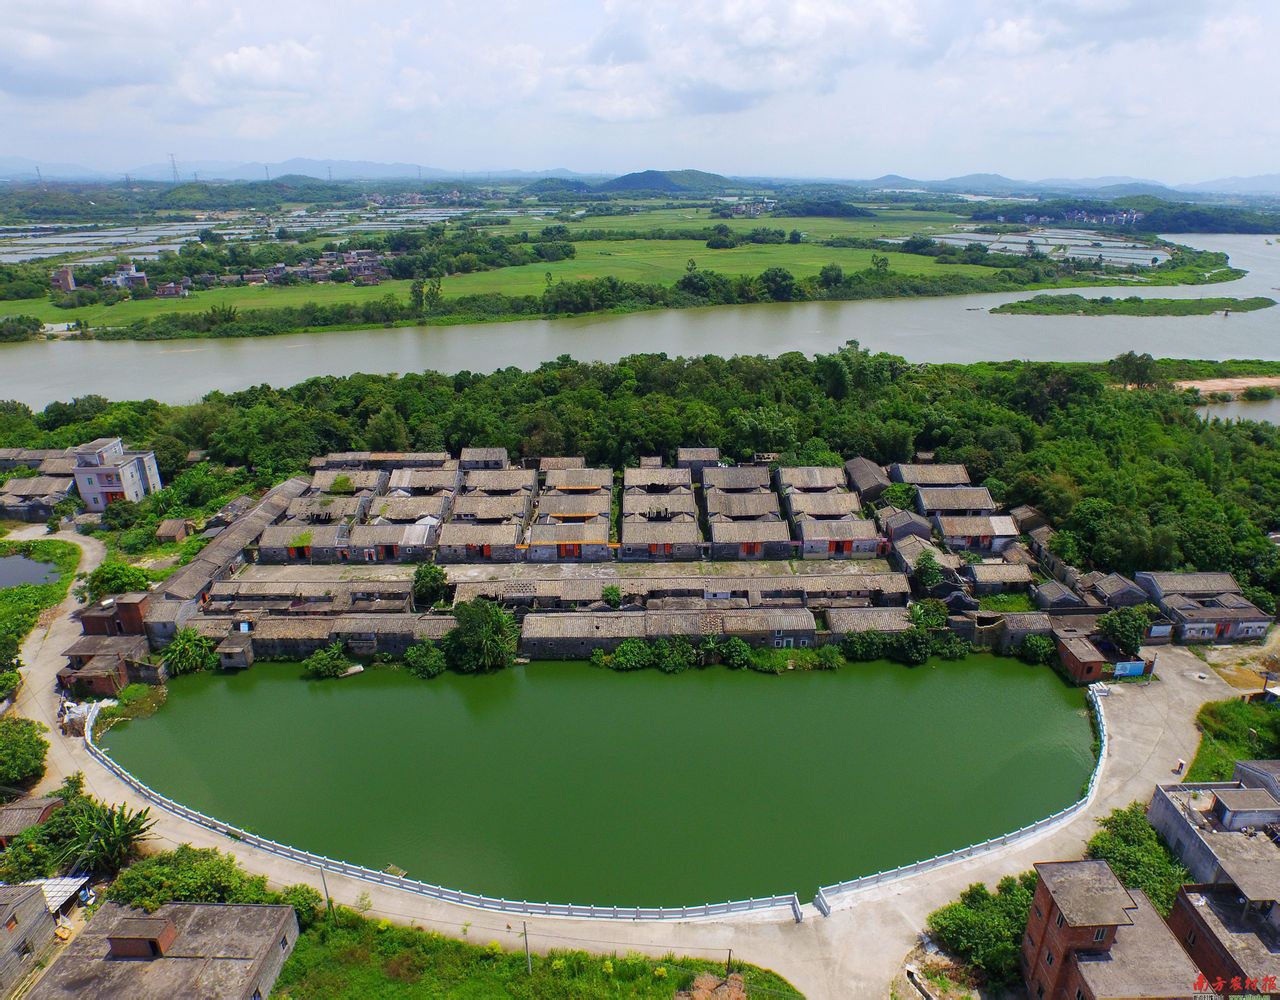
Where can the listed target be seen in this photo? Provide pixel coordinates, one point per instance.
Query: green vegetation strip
(1234, 730)
(20, 606)
(1078, 305)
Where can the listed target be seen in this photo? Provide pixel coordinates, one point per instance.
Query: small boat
(352, 670)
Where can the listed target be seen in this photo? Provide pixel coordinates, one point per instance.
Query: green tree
(171, 457)
(332, 661)
(418, 295)
(795, 236)
(929, 613)
(22, 752)
(483, 640)
(912, 647)
(430, 584)
(928, 574)
(900, 495)
(735, 653)
(879, 264)
(112, 577)
(1126, 627)
(831, 276)
(433, 295)
(861, 647)
(386, 431)
(425, 660)
(611, 594)
(1137, 855)
(779, 284)
(631, 654)
(190, 652)
(674, 656)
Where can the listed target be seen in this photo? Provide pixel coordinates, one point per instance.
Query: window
(284, 944)
(1058, 922)
(1038, 913)
(1040, 991)
(1191, 938)
(777, 643)
(1048, 958)
(11, 924)
(1100, 933)
(1079, 994)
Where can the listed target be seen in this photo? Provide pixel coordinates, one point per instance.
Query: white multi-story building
(105, 472)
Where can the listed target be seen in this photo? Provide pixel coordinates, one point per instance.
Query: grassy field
(660, 261)
(1231, 731)
(886, 223)
(1077, 305)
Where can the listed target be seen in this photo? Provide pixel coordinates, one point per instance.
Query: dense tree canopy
(1136, 477)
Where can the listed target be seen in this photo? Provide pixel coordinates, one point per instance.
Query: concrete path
(853, 953)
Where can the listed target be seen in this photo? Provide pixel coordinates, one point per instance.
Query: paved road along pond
(567, 783)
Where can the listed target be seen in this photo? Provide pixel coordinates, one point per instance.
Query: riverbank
(1078, 305)
(1232, 387)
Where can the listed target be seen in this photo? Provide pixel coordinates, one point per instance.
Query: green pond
(566, 783)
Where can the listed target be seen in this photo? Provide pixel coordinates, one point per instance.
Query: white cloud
(924, 87)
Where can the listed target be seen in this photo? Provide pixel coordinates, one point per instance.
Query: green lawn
(1230, 731)
(888, 222)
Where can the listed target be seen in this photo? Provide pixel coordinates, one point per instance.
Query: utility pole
(330, 169)
(40, 177)
(327, 901)
(173, 164)
(528, 957)
(266, 170)
(728, 964)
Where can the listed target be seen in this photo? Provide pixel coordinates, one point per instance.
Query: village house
(390, 542)
(28, 936)
(1230, 936)
(106, 472)
(1027, 518)
(554, 463)
(661, 535)
(1217, 829)
(866, 478)
(120, 614)
(483, 458)
(1259, 774)
(808, 479)
(1090, 938)
(847, 621)
(326, 508)
(469, 541)
(21, 815)
(1081, 660)
(172, 530)
(929, 474)
(33, 499)
(1110, 590)
(104, 664)
(997, 577)
(736, 479)
(976, 534)
(63, 280)
(837, 505)
(430, 511)
(293, 597)
(1054, 597)
(895, 524)
(957, 501)
(749, 538)
(905, 553)
(1205, 607)
(579, 481)
(697, 460)
(564, 508)
(845, 538)
(125, 277)
(345, 482)
(180, 950)
(424, 481)
(569, 541)
(521, 483)
(295, 541)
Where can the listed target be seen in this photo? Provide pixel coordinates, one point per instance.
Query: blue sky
(1175, 91)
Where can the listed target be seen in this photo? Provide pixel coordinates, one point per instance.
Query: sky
(1170, 90)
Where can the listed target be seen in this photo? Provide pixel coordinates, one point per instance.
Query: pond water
(566, 783)
(952, 328)
(15, 570)
(1265, 411)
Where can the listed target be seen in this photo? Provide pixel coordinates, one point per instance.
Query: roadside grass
(1234, 730)
(357, 957)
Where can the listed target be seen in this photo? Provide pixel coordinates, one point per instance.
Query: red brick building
(1233, 939)
(1090, 938)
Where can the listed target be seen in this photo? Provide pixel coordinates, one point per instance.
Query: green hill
(675, 181)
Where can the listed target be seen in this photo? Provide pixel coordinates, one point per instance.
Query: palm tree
(105, 838)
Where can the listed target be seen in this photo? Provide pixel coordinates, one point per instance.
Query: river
(564, 782)
(943, 329)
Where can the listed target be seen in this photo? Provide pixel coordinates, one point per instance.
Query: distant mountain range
(675, 181)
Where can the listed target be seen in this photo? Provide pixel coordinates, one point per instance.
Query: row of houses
(1090, 938)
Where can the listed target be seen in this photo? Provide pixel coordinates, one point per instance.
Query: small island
(1106, 305)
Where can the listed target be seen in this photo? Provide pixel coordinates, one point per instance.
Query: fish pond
(17, 570)
(567, 783)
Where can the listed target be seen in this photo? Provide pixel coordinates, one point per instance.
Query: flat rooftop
(1146, 960)
(1087, 892)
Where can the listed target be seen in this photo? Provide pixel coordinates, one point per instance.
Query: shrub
(424, 659)
(1037, 649)
(859, 647)
(22, 752)
(735, 653)
(950, 646)
(9, 681)
(673, 656)
(483, 640)
(1137, 855)
(828, 658)
(985, 929)
(911, 647)
(631, 654)
(190, 652)
(612, 595)
(331, 661)
(112, 577)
